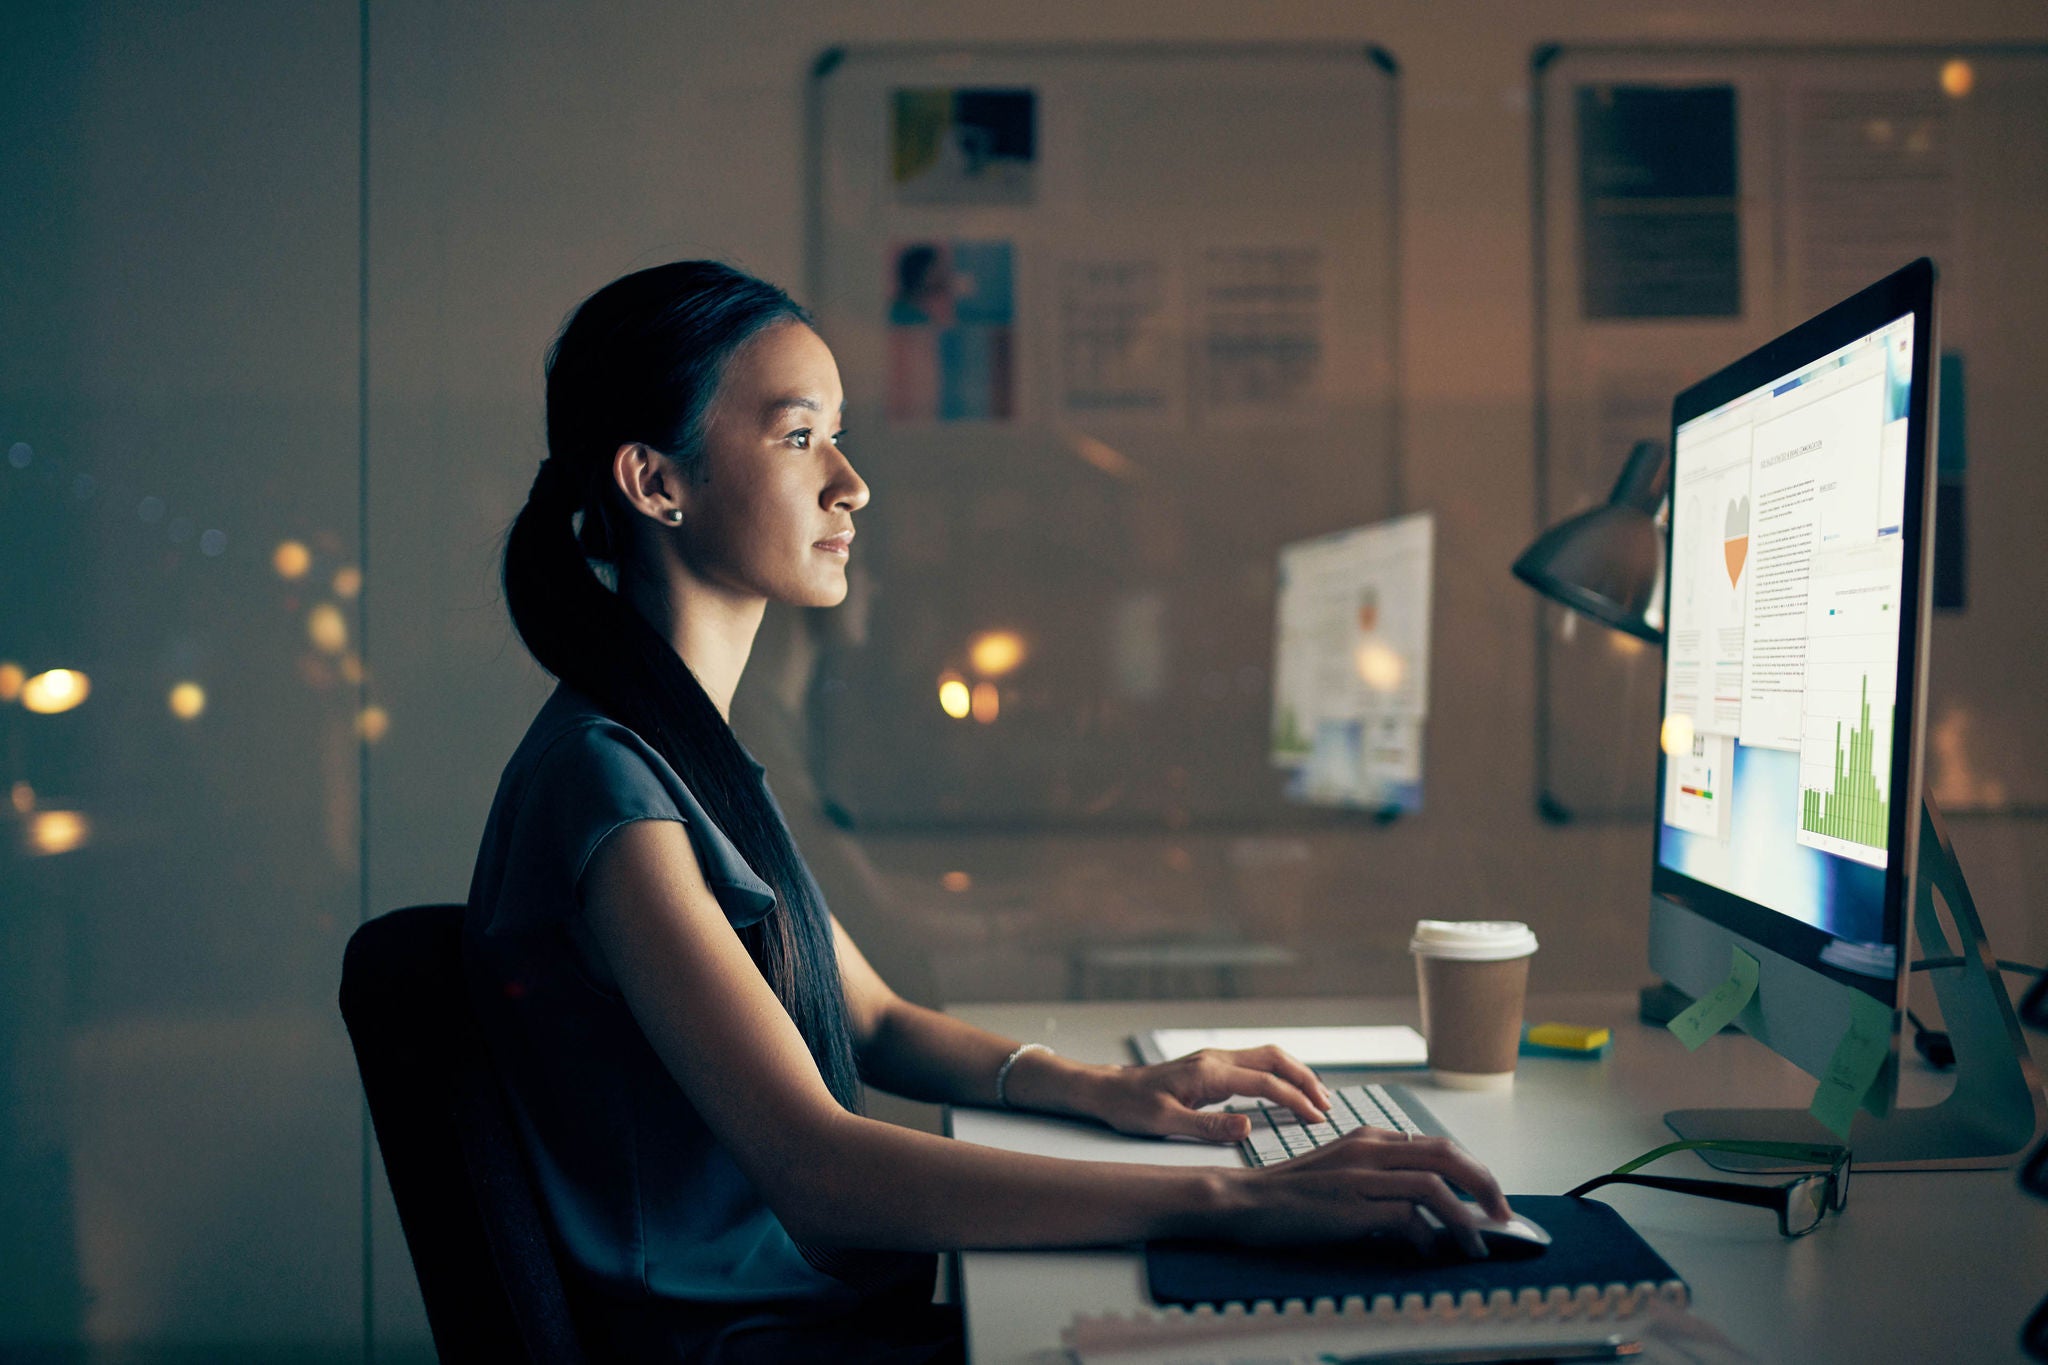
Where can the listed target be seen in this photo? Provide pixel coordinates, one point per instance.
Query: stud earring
(675, 516)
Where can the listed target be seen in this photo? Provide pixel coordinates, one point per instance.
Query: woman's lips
(841, 544)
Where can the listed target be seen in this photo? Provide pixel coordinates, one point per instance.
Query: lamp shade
(1608, 563)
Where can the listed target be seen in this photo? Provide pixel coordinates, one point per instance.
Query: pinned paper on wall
(1711, 1013)
(1851, 1071)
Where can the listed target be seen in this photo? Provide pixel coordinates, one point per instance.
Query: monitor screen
(1787, 569)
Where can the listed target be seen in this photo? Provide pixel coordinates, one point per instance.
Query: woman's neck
(711, 629)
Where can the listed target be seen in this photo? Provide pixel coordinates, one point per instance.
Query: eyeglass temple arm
(1828, 1157)
(1763, 1196)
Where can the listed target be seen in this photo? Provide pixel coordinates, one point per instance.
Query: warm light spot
(351, 668)
(373, 723)
(956, 882)
(187, 700)
(1958, 78)
(1877, 130)
(1677, 736)
(1627, 646)
(1380, 667)
(994, 653)
(954, 698)
(327, 628)
(348, 581)
(12, 677)
(60, 689)
(57, 831)
(986, 703)
(24, 798)
(292, 560)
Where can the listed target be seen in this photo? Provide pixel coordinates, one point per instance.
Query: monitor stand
(1996, 1111)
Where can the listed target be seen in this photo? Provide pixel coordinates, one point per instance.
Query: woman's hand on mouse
(1166, 1099)
(1368, 1181)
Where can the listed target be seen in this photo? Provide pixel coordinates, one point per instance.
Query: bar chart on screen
(1845, 750)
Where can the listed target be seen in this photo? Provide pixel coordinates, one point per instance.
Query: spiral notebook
(1597, 1282)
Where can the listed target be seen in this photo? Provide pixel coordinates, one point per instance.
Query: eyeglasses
(1801, 1202)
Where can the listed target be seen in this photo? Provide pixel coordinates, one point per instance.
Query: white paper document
(1358, 1045)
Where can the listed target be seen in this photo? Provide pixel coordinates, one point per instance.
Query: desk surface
(1940, 1266)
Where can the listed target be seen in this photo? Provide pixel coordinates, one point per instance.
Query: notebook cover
(1590, 1244)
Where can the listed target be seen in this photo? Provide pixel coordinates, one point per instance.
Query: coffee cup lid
(1472, 940)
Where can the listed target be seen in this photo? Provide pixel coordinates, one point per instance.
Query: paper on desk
(1857, 1060)
(1709, 1014)
(1357, 1045)
(1670, 1335)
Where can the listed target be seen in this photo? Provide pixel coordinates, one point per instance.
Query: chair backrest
(465, 1196)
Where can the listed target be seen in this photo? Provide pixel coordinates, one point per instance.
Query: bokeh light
(211, 543)
(956, 882)
(986, 704)
(373, 723)
(24, 798)
(327, 628)
(348, 581)
(12, 676)
(1380, 666)
(996, 652)
(187, 701)
(954, 698)
(352, 668)
(1958, 78)
(291, 560)
(20, 454)
(58, 690)
(51, 832)
(1677, 734)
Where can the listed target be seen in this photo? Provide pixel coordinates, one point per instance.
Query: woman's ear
(649, 481)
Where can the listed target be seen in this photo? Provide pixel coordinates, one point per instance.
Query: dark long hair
(640, 361)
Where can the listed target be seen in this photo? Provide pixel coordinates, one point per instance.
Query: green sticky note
(1857, 1060)
(1709, 1014)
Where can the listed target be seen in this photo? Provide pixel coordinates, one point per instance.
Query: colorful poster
(952, 344)
(963, 146)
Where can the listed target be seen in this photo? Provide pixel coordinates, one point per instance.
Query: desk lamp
(1608, 563)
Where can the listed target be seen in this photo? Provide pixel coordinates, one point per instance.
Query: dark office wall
(178, 1120)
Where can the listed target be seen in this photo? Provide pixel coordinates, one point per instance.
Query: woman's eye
(839, 439)
(800, 439)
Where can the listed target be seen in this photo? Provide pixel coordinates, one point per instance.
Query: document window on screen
(1787, 565)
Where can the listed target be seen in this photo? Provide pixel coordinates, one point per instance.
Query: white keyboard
(1278, 1133)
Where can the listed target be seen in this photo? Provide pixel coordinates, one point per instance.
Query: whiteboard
(1115, 325)
(1849, 162)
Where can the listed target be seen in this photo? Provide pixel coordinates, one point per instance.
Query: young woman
(682, 1028)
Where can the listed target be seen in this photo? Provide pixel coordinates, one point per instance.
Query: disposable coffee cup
(1473, 975)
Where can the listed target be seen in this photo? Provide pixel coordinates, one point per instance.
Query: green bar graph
(1857, 809)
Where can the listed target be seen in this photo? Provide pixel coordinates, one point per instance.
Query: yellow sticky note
(1709, 1014)
(1857, 1060)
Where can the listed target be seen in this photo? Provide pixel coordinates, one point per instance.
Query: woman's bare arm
(837, 1178)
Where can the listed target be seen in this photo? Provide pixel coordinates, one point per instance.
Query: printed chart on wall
(1351, 665)
(1787, 565)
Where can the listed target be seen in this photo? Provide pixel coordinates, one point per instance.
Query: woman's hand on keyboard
(1368, 1181)
(1166, 1099)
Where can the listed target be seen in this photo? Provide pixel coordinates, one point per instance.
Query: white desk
(1933, 1267)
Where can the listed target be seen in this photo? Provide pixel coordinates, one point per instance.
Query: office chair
(472, 1218)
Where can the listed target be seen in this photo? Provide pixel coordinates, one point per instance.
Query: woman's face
(771, 513)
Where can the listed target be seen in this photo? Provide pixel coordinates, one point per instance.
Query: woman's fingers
(1233, 1079)
(1287, 1067)
(1440, 1159)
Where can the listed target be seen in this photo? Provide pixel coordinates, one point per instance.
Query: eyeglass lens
(1805, 1201)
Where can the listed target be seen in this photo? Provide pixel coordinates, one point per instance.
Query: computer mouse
(1515, 1239)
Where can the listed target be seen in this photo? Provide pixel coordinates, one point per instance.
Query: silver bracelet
(1003, 1071)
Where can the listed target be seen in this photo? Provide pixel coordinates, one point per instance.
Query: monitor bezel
(1909, 290)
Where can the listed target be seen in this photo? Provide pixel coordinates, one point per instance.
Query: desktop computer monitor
(1791, 822)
